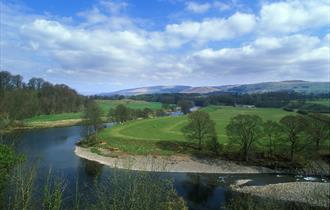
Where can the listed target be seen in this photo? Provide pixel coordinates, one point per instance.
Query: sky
(99, 46)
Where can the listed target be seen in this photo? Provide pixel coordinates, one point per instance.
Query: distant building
(245, 106)
(195, 108)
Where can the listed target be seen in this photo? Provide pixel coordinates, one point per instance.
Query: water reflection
(202, 192)
(92, 169)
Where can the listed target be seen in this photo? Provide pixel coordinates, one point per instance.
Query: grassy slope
(143, 136)
(72, 118)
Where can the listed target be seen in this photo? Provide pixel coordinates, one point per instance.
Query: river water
(54, 149)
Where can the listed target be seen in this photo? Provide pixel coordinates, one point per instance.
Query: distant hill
(290, 85)
(148, 90)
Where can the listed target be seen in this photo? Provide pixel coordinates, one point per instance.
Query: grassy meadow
(158, 134)
(324, 102)
(105, 106)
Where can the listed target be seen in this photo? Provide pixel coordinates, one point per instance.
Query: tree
(318, 128)
(244, 130)
(200, 128)
(8, 159)
(292, 126)
(93, 116)
(121, 113)
(214, 144)
(272, 131)
(185, 106)
(160, 113)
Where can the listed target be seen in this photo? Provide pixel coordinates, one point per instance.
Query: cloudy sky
(105, 45)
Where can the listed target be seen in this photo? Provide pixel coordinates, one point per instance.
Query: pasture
(145, 136)
(105, 106)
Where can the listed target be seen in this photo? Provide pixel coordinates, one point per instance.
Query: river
(54, 148)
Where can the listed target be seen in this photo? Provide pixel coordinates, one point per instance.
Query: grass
(325, 102)
(105, 105)
(54, 117)
(160, 135)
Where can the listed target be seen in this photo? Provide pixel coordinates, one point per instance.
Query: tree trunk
(270, 146)
(292, 151)
(200, 144)
(246, 155)
(317, 144)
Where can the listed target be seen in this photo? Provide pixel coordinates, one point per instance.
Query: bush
(302, 112)
(288, 109)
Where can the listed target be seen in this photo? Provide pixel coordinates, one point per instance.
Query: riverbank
(44, 124)
(313, 193)
(174, 163)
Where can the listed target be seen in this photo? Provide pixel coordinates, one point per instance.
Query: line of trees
(268, 99)
(293, 133)
(122, 114)
(19, 100)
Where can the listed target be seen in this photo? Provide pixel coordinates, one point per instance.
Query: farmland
(144, 136)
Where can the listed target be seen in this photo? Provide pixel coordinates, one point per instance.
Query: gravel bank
(312, 193)
(170, 164)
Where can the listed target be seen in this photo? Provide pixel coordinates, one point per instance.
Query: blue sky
(105, 45)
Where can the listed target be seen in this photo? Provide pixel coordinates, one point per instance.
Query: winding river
(54, 148)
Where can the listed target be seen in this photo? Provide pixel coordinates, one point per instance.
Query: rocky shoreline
(312, 193)
(177, 163)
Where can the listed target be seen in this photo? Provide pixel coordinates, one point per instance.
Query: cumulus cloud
(214, 29)
(293, 16)
(268, 57)
(273, 43)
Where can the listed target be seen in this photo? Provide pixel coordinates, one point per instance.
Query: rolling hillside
(292, 85)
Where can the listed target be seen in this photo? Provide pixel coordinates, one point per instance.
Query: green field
(54, 117)
(144, 136)
(325, 102)
(105, 106)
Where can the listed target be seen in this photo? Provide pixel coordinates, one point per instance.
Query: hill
(291, 85)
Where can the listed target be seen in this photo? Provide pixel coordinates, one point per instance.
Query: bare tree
(244, 130)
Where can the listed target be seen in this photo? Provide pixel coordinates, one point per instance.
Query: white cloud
(107, 47)
(214, 29)
(269, 57)
(197, 8)
(201, 8)
(293, 16)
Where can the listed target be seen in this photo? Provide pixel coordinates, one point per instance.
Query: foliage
(276, 99)
(53, 193)
(8, 159)
(120, 114)
(272, 131)
(92, 114)
(200, 128)
(318, 129)
(214, 145)
(137, 191)
(122, 190)
(185, 106)
(245, 130)
(19, 100)
(292, 127)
